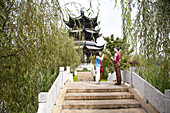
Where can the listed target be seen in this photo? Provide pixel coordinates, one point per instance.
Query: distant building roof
(89, 45)
(82, 21)
(88, 33)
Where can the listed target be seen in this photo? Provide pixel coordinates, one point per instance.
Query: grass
(83, 71)
(94, 77)
(103, 79)
(75, 78)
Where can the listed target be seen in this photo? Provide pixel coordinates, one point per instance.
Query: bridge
(135, 95)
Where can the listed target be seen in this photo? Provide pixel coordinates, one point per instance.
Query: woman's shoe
(98, 83)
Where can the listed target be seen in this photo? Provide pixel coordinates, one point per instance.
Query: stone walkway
(85, 76)
(87, 97)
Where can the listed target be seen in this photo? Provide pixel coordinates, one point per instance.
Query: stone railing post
(42, 99)
(123, 76)
(75, 72)
(132, 69)
(68, 72)
(109, 76)
(61, 71)
(167, 101)
(70, 76)
(68, 69)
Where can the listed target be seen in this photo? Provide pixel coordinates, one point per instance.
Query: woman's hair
(117, 48)
(96, 53)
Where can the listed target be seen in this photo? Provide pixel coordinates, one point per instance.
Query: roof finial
(82, 11)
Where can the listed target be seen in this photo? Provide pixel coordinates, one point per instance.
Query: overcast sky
(110, 19)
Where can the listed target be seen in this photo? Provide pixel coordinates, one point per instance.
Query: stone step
(85, 79)
(101, 104)
(85, 76)
(99, 96)
(97, 90)
(130, 110)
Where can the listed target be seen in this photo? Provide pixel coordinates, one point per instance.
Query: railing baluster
(132, 69)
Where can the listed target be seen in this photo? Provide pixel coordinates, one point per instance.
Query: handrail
(47, 100)
(159, 100)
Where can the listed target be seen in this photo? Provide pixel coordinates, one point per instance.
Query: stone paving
(85, 76)
(86, 96)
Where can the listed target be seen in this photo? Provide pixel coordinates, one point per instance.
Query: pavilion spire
(82, 11)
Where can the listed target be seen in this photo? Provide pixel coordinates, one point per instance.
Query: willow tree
(33, 45)
(149, 33)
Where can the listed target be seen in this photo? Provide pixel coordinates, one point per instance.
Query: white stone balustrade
(159, 100)
(88, 66)
(47, 100)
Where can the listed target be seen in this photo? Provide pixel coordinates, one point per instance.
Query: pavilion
(82, 28)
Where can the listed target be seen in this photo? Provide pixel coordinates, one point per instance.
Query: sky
(109, 17)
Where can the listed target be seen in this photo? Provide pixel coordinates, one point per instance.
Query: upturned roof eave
(87, 30)
(83, 17)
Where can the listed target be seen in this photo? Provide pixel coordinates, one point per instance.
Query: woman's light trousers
(97, 73)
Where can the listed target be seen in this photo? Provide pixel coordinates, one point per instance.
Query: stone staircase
(87, 97)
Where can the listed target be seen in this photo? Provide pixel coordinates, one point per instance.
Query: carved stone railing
(47, 100)
(88, 66)
(159, 100)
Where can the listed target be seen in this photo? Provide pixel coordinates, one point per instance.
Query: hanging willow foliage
(149, 33)
(33, 45)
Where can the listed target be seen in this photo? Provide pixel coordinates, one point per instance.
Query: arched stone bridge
(135, 95)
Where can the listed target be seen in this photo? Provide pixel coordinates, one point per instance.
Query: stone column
(132, 69)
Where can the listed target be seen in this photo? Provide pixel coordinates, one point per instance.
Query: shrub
(85, 69)
(75, 78)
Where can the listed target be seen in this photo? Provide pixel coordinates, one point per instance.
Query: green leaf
(2, 15)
